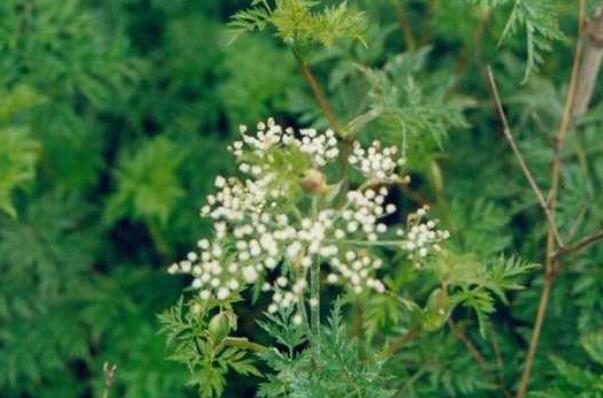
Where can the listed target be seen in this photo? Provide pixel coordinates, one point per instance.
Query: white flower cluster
(234, 200)
(258, 240)
(421, 237)
(319, 147)
(375, 163)
(356, 269)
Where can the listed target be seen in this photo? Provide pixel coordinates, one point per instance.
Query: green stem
(304, 313)
(315, 299)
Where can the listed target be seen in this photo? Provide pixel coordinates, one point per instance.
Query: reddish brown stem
(318, 93)
(477, 356)
(556, 166)
(404, 22)
(522, 163)
(589, 240)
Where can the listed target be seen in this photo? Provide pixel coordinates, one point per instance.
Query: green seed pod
(437, 311)
(220, 326)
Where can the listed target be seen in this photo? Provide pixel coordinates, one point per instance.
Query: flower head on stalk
(281, 216)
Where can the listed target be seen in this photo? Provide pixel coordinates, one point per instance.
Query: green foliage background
(115, 116)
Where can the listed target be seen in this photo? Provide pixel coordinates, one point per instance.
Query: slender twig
(459, 333)
(318, 93)
(582, 244)
(529, 361)
(500, 365)
(477, 356)
(404, 22)
(327, 110)
(522, 163)
(432, 6)
(109, 375)
(556, 165)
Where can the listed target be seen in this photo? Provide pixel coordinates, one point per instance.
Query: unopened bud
(314, 182)
(220, 326)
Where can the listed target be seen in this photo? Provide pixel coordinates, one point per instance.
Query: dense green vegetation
(115, 118)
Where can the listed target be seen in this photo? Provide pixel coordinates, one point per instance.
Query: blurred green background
(115, 116)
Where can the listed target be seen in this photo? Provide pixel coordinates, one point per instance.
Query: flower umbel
(282, 216)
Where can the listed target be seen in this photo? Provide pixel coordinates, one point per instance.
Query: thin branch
(529, 361)
(404, 22)
(500, 365)
(318, 93)
(556, 165)
(522, 163)
(432, 6)
(327, 110)
(473, 351)
(477, 356)
(589, 240)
